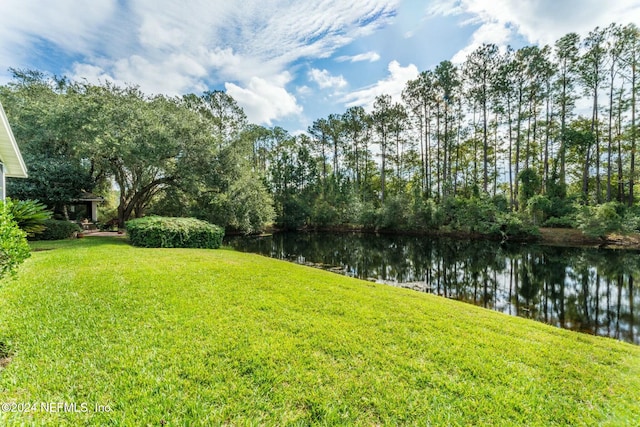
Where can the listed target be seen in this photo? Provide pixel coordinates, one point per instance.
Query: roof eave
(9, 151)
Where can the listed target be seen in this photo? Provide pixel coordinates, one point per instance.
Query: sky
(286, 62)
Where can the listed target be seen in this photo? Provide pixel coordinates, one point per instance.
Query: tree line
(541, 135)
(544, 127)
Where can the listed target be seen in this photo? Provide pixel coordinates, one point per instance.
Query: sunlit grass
(202, 337)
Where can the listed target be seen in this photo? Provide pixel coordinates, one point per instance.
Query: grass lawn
(208, 337)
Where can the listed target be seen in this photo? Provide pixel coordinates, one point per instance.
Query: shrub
(393, 213)
(511, 226)
(13, 243)
(251, 204)
(481, 215)
(294, 213)
(350, 208)
(501, 203)
(369, 216)
(166, 232)
(324, 214)
(630, 221)
(567, 221)
(57, 229)
(30, 215)
(426, 214)
(475, 215)
(537, 208)
(598, 221)
(530, 184)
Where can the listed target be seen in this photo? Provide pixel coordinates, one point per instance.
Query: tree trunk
(596, 132)
(563, 129)
(510, 159)
(547, 138)
(485, 140)
(517, 161)
(610, 131)
(619, 132)
(632, 170)
(384, 165)
(585, 176)
(445, 148)
(438, 152)
(427, 152)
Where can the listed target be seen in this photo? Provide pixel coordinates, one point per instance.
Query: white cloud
(173, 47)
(367, 56)
(176, 74)
(91, 73)
(325, 80)
(304, 90)
(264, 101)
(538, 21)
(490, 32)
(392, 85)
(273, 33)
(60, 24)
(153, 34)
(25, 23)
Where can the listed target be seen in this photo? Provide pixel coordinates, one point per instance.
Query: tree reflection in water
(583, 289)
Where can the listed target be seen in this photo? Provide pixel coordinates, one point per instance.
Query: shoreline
(564, 237)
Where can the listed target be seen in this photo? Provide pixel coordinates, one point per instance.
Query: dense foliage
(163, 232)
(57, 229)
(13, 243)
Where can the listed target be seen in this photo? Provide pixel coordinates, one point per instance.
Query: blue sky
(286, 62)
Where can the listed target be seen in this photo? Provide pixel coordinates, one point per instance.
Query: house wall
(3, 183)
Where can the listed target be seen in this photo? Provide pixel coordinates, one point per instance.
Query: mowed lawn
(206, 337)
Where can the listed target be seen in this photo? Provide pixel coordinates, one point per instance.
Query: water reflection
(588, 290)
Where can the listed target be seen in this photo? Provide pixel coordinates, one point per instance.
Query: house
(11, 163)
(85, 207)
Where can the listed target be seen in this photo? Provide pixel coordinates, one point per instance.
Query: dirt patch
(629, 241)
(567, 237)
(104, 234)
(573, 237)
(5, 355)
(4, 362)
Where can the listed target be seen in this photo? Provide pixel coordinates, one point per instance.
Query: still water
(583, 289)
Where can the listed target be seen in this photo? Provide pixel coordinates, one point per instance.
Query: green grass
(202, 337)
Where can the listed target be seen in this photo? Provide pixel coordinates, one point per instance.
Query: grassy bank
(201, 337)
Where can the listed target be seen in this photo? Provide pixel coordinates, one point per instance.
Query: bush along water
(455, 215)
(611, 217)
(167, 232)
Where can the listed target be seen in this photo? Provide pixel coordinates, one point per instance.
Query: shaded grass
(200, 337)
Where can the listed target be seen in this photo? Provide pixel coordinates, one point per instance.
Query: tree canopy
(79, 137)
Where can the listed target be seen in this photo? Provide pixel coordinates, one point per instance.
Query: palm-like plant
(29, 214)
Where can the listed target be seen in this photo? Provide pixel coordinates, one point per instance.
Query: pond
(583, 289)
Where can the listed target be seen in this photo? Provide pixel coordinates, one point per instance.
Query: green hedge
(13, 243)
(57, 230)
(164, 232)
